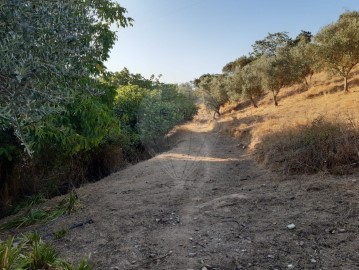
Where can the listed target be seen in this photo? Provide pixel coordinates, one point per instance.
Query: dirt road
(205, 204)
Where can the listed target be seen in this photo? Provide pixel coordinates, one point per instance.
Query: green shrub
(160, 112)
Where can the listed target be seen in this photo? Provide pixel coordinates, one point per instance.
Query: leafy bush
(83, 126)
(161, 111)
(127, 105)
(147, 115)
(47, 62)
(321, 145)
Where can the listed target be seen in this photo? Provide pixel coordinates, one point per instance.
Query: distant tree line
(279, 61)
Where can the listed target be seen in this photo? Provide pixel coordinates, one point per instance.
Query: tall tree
(252, 82)
(338, 45)
(51, 52)
(241, 62)
(270, 44)
(234, 85)
(304, 60)
(126, 78)
(278, 71)
(213, 91)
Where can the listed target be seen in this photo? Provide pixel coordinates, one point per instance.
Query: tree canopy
(51, 53)
(338, 45)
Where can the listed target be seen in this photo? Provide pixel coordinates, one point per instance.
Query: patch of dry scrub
(319, 145)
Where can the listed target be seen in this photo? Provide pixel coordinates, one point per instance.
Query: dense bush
(160, 111)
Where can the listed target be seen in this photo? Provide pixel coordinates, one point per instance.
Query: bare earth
(206, 204)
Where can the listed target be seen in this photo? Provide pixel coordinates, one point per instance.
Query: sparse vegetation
(32, 216)
(30, 252)
(28, 202)
(319, 146)
(60, 233)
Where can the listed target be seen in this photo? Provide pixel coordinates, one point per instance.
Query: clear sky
(183, 39)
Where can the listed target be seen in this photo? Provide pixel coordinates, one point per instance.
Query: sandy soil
(206, 204)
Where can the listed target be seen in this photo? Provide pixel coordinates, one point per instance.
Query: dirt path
(206, 203)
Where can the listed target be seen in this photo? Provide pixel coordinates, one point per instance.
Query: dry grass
(318, 146)
(262, 129)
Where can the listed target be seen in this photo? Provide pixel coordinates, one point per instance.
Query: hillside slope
(298, 108)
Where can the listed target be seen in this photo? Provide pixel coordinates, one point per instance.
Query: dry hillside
(298, 108)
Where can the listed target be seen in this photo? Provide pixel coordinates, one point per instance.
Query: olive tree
(252, 82)
(239, 63)
(270, 44)
(278, 71)
(234, 85)
(338, 45)
(213, 91)
(51, 52)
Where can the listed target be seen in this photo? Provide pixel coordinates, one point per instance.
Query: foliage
(278, 71)
(46, 61)
(28, 202)
(160, 111)
(187, 89)
(126, 78)
(66, 206)
(148, 109)
(9, 255)
(238, 63)
(31, 252)
(213, 89)
(60, 233)
(303, 37)
(84, 125)
(270, 44)
(127, 105)
(234, 85)
(252, 83)
(304, 59)
(338, 45)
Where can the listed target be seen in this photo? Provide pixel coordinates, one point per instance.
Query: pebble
(313, 260)
(290, 266)
(204, 268)
(270, 256)
(192, 254)
(291, 226)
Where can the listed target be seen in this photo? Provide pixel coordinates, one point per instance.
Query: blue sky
(183, 39)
